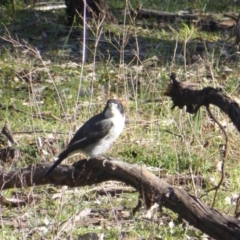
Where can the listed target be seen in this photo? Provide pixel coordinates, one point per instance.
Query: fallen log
(152, 188)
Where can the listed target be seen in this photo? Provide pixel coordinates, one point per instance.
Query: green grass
(43, 94)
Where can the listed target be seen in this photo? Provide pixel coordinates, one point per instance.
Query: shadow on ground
(49, 34)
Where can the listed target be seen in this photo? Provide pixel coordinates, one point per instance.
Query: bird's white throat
(118, 121)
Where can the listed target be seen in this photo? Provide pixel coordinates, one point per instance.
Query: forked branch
(194, 99)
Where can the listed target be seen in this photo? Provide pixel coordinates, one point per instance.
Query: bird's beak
(111, 105)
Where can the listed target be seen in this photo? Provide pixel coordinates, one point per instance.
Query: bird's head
(114, 108)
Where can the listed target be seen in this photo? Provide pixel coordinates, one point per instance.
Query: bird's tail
(61, 157)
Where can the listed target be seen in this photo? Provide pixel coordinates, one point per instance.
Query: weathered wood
(194, 99)
(82, 173)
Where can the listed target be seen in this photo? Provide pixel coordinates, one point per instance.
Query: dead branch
(224, 155)
(93, 171)
(194, 99)
(6, 132)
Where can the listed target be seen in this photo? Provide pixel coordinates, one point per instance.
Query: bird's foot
(104, 158)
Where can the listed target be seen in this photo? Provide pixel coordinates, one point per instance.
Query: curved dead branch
(194, 99)
(93, 171)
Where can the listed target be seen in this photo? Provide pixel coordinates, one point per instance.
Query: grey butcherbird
(96, 135)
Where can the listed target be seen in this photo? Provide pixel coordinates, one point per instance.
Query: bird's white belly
(99, 148)
(104, 144)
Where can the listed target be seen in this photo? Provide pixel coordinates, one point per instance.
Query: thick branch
(94, 171)
(194, 99)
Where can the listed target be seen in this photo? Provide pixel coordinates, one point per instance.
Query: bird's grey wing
(91, 133)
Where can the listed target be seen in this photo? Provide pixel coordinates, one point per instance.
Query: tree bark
(194, 99)
(154, 190)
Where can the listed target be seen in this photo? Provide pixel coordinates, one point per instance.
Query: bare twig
(225, 151)
(6, 131)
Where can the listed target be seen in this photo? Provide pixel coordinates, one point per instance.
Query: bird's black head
(114, 104)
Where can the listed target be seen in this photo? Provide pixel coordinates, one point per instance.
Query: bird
(96, 135)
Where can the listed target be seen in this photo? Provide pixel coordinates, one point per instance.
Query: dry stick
(186, 39)
(6, 131)
(97, 38)
(216, 188)
(83, 56)
(39, 131)
(174, 54)
(174, 134)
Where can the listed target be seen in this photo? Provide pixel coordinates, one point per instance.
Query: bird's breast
(104, 144)
(118, 124)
